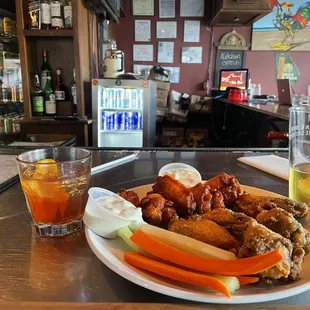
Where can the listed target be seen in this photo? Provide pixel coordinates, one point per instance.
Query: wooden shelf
(49, 33)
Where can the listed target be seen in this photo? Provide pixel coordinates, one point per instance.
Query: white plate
(110, 252)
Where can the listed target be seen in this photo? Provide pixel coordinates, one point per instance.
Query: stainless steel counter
(65, 270)
(270, 108)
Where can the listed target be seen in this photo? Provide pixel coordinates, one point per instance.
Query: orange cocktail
(55, 183)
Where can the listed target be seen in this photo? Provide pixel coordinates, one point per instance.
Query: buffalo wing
(176, 192)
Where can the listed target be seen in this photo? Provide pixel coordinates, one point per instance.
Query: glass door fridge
(124, 113)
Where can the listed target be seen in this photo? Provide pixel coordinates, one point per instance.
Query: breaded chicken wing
(205, 231)
(130, 196)
(202, 196)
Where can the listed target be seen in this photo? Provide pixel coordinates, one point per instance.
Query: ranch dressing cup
(185, 174)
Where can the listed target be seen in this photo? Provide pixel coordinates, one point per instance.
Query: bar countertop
(35, 269)
(273, 109)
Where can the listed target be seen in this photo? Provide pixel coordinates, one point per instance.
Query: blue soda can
(126, 99)
(140, 121)
(135, 120)
(130, 121)
(107, 103)
(121, 93)
(140, 98)
(118, 98)
(121, 121)
(127, 121)
(107, 121)
(114, 98)
(114, 121)
(104, 120)
(104, 97)
(134, 98)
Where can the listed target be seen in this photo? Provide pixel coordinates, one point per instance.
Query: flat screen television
(238, 78)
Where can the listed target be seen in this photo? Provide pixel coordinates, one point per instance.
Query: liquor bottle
(45, 68)
(45, 14)
(50, 98)
(68, 14)
(37, 98)
(73, 94)
(34, 14)
(60, 89)
(56, 14)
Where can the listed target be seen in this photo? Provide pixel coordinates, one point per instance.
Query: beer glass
(55, 182)
(299, 153)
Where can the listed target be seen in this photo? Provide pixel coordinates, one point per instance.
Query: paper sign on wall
(286, 68)
(142, 30)
(192, 8)
(192, 55)
(143, 52)
(166, 30)
(165, 52)
(191, 30)
(167, 8)
(143, 7)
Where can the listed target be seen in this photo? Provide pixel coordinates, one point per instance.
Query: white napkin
(272, 164)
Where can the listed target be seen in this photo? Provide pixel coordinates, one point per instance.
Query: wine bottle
(37, 98)
(50, 98)
(60, 90)
(45, 68)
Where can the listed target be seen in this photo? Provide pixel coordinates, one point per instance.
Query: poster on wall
(191, 30)
(192, 8)
(286, 28)
(166, 30)
(286, 68)
(143, 52)
(165, 52)
(142, 30)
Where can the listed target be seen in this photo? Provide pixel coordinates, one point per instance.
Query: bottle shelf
(122, 131)
(49, 33)
(121, 110)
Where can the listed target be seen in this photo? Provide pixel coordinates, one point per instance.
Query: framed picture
(143, 7)
(286, 28)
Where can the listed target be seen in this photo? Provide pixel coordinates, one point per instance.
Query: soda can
(117, 98)
(140, 98)
(114, 98)
(104, 97)
(121, 95)
(134, 98)
(135, 120)
(130, 121)
(126, 99)
(113, 121)
(104, 120)
(121, 121)
(127, 121)
(140, 121)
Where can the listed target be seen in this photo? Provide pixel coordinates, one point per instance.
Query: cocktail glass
(55, 182)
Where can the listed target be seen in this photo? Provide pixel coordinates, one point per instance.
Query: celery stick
(125, 233)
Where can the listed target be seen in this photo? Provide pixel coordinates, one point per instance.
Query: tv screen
(234, 78)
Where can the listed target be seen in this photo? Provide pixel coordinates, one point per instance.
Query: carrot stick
(243, 266)
(175, 273)
(247, 280)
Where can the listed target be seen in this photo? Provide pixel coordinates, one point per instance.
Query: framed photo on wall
(143, 7)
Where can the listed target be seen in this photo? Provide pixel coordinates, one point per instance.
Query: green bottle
(45, 68)
(37, 98)
(50, 98)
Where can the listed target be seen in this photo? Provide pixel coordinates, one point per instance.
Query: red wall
(192, 76)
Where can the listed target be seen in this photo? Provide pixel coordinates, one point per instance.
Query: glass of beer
(299, 149)
(55, 182)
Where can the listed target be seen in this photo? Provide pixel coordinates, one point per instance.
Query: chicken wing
(176, 192)
(258, 240)
(286, 225)
(205, 231)
(255, 204)
(202, 196)
(277, 219)
(130, 196)
(228, 185)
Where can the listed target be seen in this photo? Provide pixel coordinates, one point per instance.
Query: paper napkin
(272, 164)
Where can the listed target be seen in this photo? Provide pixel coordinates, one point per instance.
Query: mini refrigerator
(124, 113)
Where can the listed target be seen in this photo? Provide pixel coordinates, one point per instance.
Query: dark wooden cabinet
(236, 12)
